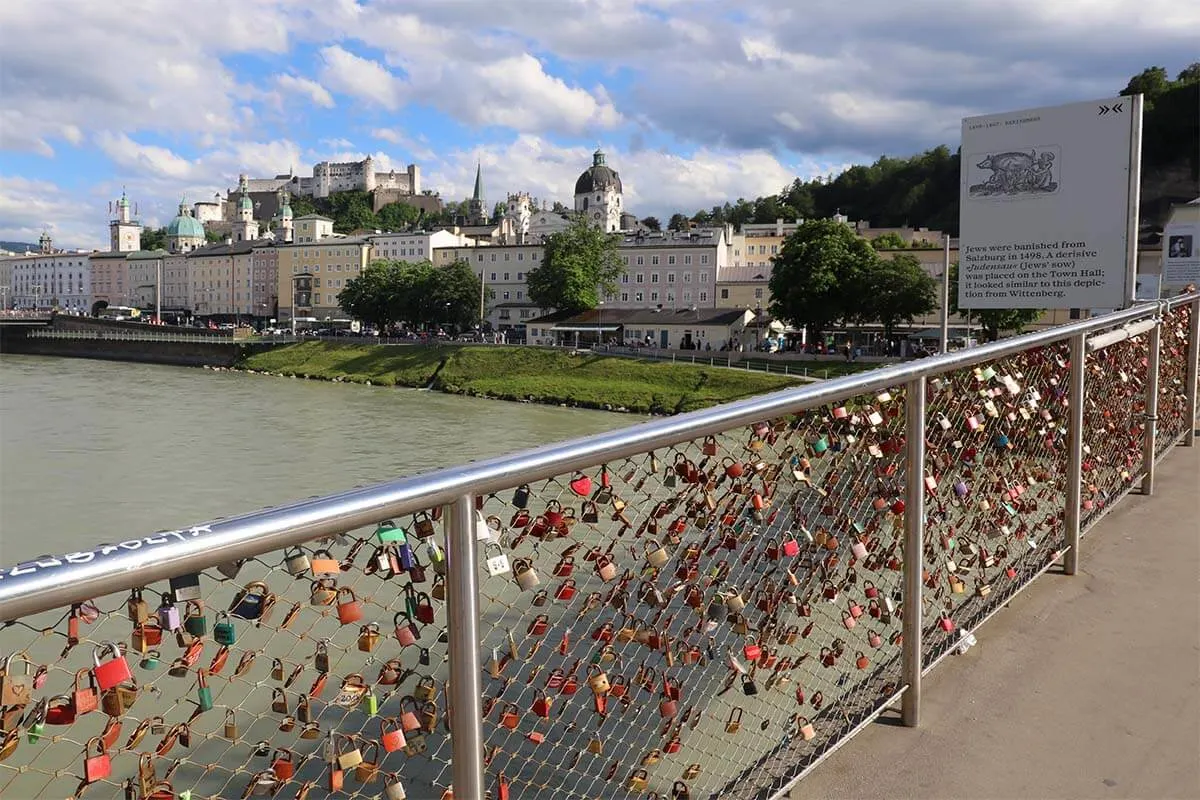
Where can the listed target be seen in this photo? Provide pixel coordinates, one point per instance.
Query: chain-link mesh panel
(1114, 425)
(1173, 408)
(669, 620)
(296, 647)
(994, 479)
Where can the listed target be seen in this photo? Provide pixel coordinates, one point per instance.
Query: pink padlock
(168, 615)
(113, 672)
(947, 624)
(791, 547)
(858, 549)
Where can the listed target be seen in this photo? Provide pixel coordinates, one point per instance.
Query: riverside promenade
(1085, 687)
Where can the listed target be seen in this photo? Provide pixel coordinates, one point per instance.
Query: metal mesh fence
(704, 620)
(1114, 425)
(1173, 401)
(995, 472)
(669, 620)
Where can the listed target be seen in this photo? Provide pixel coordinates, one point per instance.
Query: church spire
(478, 195)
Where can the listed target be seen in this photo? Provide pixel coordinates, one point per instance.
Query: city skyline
(695, 103)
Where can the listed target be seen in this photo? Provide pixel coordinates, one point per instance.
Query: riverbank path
(1085, 687)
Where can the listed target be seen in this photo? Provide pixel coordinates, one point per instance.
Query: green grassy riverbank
(521, 373)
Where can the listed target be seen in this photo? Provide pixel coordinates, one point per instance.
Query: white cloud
(142, 159)
(304, 87)
(28, 207)
(654, 182)
(359, 77)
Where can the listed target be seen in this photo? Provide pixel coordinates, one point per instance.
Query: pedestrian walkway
(1085, 687)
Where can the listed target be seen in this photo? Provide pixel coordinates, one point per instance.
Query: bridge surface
(1085, 687)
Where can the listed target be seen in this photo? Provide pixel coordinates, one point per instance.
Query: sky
(695, 102)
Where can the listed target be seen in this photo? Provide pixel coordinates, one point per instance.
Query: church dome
(597, 177)
(185, 225)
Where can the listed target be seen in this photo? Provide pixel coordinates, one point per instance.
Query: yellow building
(311, 274)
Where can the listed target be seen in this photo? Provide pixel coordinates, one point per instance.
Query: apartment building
(418, 246)
(233, 279)
(312, 273)
(502, 268)
(672, 270)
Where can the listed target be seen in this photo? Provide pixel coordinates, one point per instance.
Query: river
(89, 449)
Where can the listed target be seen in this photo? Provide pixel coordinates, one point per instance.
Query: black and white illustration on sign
(1179, 247)
(1014, 174)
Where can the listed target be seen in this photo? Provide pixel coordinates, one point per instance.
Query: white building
(144, 269)
(245, 227)
(674, 270)
(311, 228)
(598, 194)
(184, 233)
(502, 268)
(176, 286)
(125, 232)
(414, 247)
(51, 279)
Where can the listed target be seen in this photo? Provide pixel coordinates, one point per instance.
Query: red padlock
(791, 547)
(282, 764)
(349, 606)
(113, 672)
(751, 650)
(391, 736)
(667, 707)
(565, 590)
(541, 705)
(946, 623)
(96, 767)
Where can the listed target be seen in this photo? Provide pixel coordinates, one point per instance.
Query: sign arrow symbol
(1117, 108)
(1103, 110)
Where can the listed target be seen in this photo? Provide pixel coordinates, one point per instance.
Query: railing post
(1149, 443)
(465, 689)
(1077, 394)
(1193, 364)
(914, 530)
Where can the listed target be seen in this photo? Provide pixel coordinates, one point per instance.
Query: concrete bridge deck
(1085, 687)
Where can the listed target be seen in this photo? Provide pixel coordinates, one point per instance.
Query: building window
(625, 278)
(703, 297)
(641, 261)
(704, 259)
(654, 297)
(670, 277)
(504, 295)
(670, 260)
(638, 297)
(639, 278)
(687, 259)
(758, 293)
(508, 256)
(493, 278)
(624, 297)
(654, 277)
(704, 277)
(724, 294)
(625, 260)
(654, 261)
(687, 277)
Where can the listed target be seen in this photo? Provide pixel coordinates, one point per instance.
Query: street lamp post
(600, 322)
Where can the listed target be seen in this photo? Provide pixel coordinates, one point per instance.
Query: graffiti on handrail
(84, 557)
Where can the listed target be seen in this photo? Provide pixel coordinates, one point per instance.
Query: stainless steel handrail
(48, 583)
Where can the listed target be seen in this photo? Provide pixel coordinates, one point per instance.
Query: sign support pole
(1135, 193)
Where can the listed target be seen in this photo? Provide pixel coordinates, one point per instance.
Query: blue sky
(695, 101)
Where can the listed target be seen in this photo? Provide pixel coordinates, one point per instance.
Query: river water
(90, 449)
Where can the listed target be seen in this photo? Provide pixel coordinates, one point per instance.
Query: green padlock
(203, 693)
(186, 794)
(223, 631)
(388, 533)
(194, 621)
(150, 660)
(35, 731)
(369, 705)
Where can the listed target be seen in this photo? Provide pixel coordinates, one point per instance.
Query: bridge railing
(699, 606)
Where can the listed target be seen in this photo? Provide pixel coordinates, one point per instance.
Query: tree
(212, 237)
(888, 241)
(579, 263)
(154, 238)
(398, 216)
(678, 222)
(993, 321)
(652, 223)
(456, 292)
(896, 290)
(499, 210)
(819, 275)
(372, 296)
(1150, 82)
